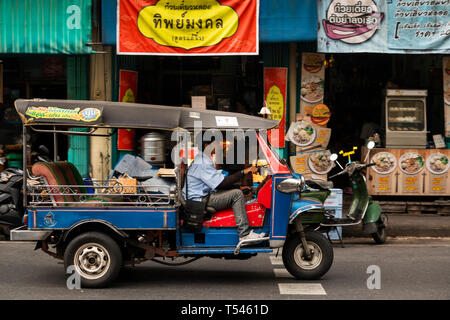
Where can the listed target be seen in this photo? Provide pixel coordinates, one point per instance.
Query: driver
(205, 179)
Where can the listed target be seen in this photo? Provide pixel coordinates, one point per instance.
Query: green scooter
(363, 209)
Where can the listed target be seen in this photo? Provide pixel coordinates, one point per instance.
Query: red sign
(127, 93)
(275, 88)
(187, 27)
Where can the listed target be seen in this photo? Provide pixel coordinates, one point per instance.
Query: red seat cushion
(51, 172)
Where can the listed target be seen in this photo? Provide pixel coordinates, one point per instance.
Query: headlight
(291, 185)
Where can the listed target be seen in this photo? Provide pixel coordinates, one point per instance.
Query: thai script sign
(391, 26)
(275, 88)
(179, 27)
(418, 24)
(55, 113)
(128, 83)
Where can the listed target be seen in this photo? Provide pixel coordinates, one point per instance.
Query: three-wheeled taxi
(100, 226)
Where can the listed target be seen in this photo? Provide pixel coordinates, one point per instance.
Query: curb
(406, 225)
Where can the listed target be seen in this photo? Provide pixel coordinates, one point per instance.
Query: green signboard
(45, 26)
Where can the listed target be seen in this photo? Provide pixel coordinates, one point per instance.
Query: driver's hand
(246, 190)
(251, 169)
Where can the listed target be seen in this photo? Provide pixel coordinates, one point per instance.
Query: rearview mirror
(291, 185)
(371, 144)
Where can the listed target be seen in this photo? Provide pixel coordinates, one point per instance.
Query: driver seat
(180, 171)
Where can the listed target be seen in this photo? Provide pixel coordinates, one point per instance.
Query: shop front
(209, 54)
(44, 48)
(388, 82)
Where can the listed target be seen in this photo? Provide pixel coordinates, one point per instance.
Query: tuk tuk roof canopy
(90, 113)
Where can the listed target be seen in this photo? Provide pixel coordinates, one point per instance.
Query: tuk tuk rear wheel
(295, 260)
(96, 258)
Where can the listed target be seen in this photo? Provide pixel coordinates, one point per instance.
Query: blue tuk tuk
(97, 228)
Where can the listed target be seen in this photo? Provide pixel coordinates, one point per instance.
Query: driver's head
(209, 142)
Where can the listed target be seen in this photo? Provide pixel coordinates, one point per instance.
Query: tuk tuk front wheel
(296, 262)
(96, 258)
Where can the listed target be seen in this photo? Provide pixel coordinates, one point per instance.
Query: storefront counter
(408, 172)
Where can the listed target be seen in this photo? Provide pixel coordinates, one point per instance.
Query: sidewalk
(408, 225)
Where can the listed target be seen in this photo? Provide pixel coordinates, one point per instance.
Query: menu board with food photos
(408, 172)
(312, 83)
(314, 164)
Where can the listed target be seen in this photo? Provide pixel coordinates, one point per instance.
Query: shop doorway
(29, 77)
(230, 83)
(356, 88)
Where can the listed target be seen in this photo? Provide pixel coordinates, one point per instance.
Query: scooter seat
(319, 184)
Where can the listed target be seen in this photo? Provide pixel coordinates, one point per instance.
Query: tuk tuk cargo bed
(120, 218)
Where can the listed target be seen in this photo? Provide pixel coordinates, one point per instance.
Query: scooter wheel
(380, 236)
(95, 257)
(295, 261)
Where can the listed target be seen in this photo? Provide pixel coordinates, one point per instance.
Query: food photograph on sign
(386, 162)
(312, 89)
(302, 133)
(320, 162)
(320, 114)
(437, 163)
(411, 163)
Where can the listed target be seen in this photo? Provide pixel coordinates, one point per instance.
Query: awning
(45, 26)
(287, 20)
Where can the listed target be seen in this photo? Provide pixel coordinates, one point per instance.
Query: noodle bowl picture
(320, 162)
(385, 162)
(411, 163)
(312, 89)
(437, 163)
(302, 134)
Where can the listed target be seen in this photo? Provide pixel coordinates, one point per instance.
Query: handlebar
(350, 168)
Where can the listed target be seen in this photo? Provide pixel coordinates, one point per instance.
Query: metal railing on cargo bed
(111, 193)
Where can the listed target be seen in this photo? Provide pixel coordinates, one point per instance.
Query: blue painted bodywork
(124, 218)
(299, 206)
(214, 237)
(210, 240)
(281, 206)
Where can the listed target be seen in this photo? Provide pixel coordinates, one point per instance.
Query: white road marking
(276, 261)
(302, 288)
(282, 273)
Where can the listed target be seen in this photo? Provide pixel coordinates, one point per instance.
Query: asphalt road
(407, 269)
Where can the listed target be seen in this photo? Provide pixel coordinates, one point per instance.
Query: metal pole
(55, 145)
(293, 58)
(24, 165)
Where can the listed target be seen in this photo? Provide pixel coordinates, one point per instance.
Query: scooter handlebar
(350, 168)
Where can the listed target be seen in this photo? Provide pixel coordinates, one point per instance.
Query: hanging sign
(187, 27)
(394, 26)
(127, 93)
(275, 88)
(63, 115)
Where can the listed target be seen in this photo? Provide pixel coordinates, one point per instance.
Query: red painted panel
(265, 194)
(225, 218)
